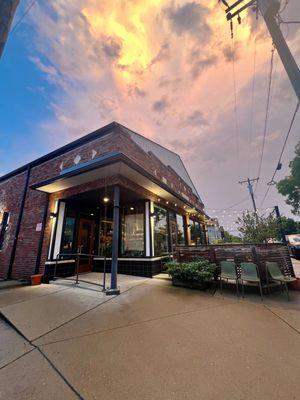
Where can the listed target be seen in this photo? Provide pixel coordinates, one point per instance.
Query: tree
(290, 185)
(228, 238)
(256, 229)
(289, 226)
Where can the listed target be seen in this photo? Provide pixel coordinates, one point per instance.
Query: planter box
(203, 285)
(295, 285)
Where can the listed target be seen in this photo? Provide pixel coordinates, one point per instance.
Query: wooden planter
(295, 285)
(199, 285)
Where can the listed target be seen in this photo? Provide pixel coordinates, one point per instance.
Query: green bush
(198, 270)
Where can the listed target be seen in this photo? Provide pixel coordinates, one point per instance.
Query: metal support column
(115, 244)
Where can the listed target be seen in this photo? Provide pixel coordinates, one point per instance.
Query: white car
(294, 244)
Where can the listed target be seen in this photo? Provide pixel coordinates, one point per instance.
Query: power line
(252, 94)
(267, 114)
(278, 165)
(23, 16)
(235, 99)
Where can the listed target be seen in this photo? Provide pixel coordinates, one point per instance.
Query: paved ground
(154, 341)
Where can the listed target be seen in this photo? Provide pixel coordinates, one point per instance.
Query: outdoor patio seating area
(248, 274)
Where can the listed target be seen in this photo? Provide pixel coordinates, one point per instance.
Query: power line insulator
(239, 19)
(279, 166)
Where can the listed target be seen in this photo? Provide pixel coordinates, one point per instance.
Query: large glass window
(161, 234)
(133, 231)
(3, 228)
(68, 235)
(180, 230)
(195, 233)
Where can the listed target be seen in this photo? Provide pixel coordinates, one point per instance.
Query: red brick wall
(12, 189)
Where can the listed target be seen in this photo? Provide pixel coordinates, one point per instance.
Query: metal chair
(250, 273)
(228, 271)
(277, 275)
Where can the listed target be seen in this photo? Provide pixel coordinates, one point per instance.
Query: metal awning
(110, 165)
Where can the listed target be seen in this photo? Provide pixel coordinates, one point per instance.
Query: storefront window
(195, 233)
(68, 235)
(132, 231)
(161, 236)
(105, 232)
(180, 230)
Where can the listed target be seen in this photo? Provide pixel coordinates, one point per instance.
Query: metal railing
(78, 256)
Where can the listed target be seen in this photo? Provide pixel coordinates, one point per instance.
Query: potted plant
(195, 274)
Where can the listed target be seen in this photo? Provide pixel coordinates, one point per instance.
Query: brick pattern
(11, 192)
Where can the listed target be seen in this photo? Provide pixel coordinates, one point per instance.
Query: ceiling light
(105, 199)
(131, 208)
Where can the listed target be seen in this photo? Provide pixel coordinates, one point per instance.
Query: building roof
(167, 156)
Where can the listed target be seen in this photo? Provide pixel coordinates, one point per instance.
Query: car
(293, 242)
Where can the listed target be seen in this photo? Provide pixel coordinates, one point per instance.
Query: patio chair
(228, 271)
(277, 275)
(249, 273)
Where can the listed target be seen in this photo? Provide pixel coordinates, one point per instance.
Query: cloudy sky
(162, 68)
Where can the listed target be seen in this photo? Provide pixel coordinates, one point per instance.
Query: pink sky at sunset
(164, 69)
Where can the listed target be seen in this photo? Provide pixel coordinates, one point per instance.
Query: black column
(115, 244)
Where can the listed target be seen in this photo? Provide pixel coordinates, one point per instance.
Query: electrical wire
(272, 182)
(23, 16)
(252, 97)
(266, 115)
(235, 100)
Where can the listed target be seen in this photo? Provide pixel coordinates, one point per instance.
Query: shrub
(197, 270)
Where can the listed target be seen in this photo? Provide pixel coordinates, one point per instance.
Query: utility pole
(269, 9)
(250, 188)
(7, 12)
(278, 217)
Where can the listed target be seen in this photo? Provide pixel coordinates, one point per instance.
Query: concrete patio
(154, 341)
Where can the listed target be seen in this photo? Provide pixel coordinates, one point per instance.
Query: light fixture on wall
(167, 202)
(91, 214)
(105, 199)
(53, 215)
(131, 208)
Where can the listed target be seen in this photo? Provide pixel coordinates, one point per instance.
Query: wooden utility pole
(250, 188)
(7, 12)
(269, 9)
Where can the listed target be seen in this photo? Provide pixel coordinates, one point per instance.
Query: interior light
(175, 204)
(105, 199)
(158, 200)
(167, 202)
(92, 214)
(131, 208)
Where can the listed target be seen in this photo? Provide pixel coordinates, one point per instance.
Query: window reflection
(161, 236)
(133, 231)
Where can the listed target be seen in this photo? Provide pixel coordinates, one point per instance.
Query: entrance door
(86, 240)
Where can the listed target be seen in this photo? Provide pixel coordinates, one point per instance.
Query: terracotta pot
(36, 279)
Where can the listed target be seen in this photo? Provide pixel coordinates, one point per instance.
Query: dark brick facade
(12, 187)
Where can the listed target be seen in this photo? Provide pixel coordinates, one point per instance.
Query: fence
(258, 254)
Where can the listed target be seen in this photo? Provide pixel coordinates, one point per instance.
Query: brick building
(112, 194)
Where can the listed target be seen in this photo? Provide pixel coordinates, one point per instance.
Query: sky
(166, 69)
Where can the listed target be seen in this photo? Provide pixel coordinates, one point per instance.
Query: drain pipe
(15, 242)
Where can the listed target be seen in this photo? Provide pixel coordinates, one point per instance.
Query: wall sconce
(53, 215)
(105, 199)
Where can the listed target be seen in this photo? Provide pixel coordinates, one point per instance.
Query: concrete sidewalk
(154, 341)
